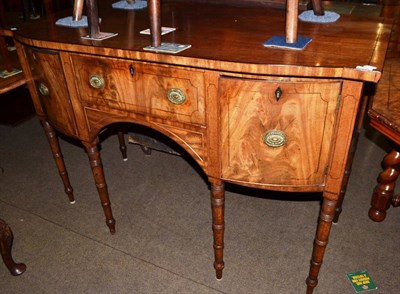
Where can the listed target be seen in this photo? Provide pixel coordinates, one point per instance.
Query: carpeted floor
(163, 242)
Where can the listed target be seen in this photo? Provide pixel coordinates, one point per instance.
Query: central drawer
(175, 94)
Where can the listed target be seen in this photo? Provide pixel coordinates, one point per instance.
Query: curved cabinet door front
(277, 132)
(52, 90)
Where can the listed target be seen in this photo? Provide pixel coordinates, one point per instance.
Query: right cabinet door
(277, 132)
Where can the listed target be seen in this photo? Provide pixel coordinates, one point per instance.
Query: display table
(249, 115)
(385, 117)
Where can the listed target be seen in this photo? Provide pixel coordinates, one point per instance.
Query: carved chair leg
(384, 190)
(6, 240)
(58, 157)
(122, 146)
(218, 224)
(320, 242)
(98, 175)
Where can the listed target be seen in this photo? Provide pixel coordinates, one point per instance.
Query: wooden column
(318, 7)
(93, 18)
(48, 6)
(155, 22)
(292, 11)
(78, 8)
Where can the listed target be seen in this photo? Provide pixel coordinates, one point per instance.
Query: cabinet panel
(52, 90)
(277, 132)
(171, 93)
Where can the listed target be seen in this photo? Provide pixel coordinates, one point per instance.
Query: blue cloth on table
(309, 16)
(280, 42)
(139, 4)
(69, 22)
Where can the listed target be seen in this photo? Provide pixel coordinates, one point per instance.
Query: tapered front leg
(384, 190)
(58, 157)
(218, 224)
(6, 240)
(321, 241)
(98, 174)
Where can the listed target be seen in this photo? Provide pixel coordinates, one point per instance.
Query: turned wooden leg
(384, 190)
(6, 240)
(58, 157)
(320, 242)
(122, 145)
(98, 174)
(218, 226)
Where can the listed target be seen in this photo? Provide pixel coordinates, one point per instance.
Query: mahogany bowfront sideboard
(261, 117)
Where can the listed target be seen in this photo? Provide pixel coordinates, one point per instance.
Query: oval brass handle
(275, 138)
(43, 89)
(96, 81)
(176, 96)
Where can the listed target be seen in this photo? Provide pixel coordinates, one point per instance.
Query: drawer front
(110, 82)
(170, 93)
(277, 132)
(175, 94)
(52, 90)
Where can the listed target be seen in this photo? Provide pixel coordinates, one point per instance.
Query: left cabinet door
(52, 90)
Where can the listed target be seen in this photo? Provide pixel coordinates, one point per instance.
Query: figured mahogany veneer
(250, 115)
(305, 113)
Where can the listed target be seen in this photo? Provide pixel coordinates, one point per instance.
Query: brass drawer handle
(96, 81)
(43, 89)
(275, 138)
(176, 96)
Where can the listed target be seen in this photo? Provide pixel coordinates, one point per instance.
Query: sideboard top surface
(226, 38)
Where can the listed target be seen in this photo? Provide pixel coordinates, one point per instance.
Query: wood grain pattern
(143, 88)
(47, 70)
(346, 117)
(385, 117)
(385, 108)
(243, 30)
(192, 139)
(305, 113)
